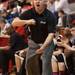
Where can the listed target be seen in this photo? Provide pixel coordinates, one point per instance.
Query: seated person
(16, 41)
(20, 57)
(70, 52)
(4, 46)
(58, 59)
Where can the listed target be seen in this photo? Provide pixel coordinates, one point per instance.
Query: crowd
(41, 33)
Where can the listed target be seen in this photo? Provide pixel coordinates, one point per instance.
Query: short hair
(61, 11)
(2, 11)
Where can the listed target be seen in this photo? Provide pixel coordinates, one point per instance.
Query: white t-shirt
(51, 7)
(60, 23)
(4, 29)
(68, 6)
(56, 3)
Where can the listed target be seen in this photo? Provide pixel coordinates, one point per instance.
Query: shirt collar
(42, 14)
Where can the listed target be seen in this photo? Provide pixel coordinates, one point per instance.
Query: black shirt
(45, 23)
(17, 42)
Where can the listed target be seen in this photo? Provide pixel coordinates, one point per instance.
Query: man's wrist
(43, 47)
(25, 22)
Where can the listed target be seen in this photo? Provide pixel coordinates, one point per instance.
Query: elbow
(15, 22)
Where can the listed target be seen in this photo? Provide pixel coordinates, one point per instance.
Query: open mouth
(38, 5)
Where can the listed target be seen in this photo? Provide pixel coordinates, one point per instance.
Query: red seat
(4, 41)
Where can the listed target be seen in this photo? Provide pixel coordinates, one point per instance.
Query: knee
(61, 66)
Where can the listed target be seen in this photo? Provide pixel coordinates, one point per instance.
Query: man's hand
(30, 22)
(19, 22)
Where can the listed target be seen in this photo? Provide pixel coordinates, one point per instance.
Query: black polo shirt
(45, 23)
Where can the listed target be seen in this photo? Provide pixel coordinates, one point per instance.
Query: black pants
(4, 60)
(71, 63)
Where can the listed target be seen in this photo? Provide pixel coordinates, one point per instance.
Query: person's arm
(69, 47)
(51, 30)
(18, 22)
(66, 46)
(46, 43)
(5, 48)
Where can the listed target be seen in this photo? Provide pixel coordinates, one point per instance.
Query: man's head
(2, 22)
(39, 5)
(61, 13)
(3, 12)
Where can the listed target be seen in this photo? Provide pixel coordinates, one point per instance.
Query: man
(41, 25)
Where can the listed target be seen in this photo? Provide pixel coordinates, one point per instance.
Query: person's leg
(1, 61)
(22, 70)
(54, 64)
(32, 64)
(61, 64)
(46, 60)
(61, 68)
(18, 61)
(5, 63)
(32, 59)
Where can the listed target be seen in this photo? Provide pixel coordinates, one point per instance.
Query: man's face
(39, 4)
(2, 24)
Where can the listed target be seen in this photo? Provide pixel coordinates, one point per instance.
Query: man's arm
(46, 43)
(18, 22)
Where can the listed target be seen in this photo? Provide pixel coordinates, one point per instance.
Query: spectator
(4, 47)
(61, 14)
(16, 43)
(3, 14)
(69, 52)
(3, 26)
(68, 6)
(58, 59)
(51, 5)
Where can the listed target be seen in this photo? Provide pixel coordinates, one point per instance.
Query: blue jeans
(46, 60)
(32, 60)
